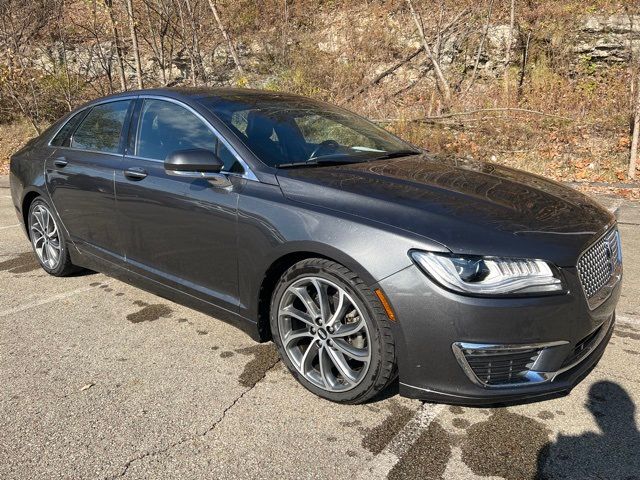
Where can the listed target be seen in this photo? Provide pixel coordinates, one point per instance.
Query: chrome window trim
(115, 154)
(248, 173)
(98, 102)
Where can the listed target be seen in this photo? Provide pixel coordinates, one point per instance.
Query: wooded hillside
(538, 84)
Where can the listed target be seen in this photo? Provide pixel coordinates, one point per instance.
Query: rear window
(62, 137)
(102, 127)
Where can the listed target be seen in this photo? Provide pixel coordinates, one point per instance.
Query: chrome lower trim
(219, 180)
(533, 376)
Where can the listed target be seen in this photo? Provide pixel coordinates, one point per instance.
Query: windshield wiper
(398, 153)
(340, 159)
(323, 160)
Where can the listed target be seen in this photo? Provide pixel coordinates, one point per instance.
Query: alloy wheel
(324, 333)
(45, 237)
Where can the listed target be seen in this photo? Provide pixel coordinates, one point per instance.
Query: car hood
(469, 206)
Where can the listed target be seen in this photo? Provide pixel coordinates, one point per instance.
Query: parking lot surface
(99, 379)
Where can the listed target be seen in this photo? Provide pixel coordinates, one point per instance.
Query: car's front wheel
(331, 332)
(48, 241)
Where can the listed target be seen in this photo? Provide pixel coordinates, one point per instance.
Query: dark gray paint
(211, 247)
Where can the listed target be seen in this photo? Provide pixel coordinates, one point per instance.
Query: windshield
(287, 131)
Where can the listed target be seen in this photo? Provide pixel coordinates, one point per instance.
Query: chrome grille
(501, 366)
(598, 262)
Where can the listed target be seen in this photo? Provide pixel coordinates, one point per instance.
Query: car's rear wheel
(48, 241)
(331, 332)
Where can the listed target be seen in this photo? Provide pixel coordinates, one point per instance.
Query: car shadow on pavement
(613, 453)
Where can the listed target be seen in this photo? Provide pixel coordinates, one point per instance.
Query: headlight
(477, 275)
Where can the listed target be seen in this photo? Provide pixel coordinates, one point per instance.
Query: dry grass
(328, 49)
(12, 137)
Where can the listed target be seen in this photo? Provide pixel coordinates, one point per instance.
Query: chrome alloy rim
(44, 236)
(324, 334)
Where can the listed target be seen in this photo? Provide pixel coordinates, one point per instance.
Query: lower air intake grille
(499, 367)
(583, 347)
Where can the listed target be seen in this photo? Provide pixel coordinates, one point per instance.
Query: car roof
(199, 93)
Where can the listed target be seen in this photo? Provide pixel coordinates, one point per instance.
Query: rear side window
(166, 127)
(102, 127)
(62, 137)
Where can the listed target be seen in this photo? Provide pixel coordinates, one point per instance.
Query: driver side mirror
(194, 162)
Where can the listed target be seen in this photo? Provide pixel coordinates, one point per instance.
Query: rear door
(80, 175)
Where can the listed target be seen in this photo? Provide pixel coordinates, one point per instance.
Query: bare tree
(108, 4)
(442, 30)
(507, 57)
(189, 34)
(225, 34)
(442, 81)
(285, 29)
(480, 47)
(636, 133)
(67, 89)
(134, 42)
(525, 59)
(19, 24)
(159, 16)
(635, 102)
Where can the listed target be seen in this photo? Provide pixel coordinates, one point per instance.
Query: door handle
(60, 162)
(135, 173)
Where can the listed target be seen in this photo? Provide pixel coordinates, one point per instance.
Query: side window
(62, 137)
(166, 127)
(102, 127)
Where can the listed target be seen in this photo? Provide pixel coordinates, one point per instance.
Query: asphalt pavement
(99, 379)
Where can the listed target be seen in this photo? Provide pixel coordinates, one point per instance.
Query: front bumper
(435, 325)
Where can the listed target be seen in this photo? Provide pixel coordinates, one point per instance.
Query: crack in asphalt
(173, 445)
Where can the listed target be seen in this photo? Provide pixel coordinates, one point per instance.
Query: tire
(41, 218)
(314, 342)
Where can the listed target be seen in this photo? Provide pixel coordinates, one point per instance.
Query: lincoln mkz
(362, 257)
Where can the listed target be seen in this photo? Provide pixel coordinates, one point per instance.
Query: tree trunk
(444, 85)
(525, 59)
(68, 91)
(507, 58)
(480, 48)
(134, 43)
(226, 36)
(636, 133)
(116, 39)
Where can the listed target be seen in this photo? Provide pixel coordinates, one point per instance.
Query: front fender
(271, 227)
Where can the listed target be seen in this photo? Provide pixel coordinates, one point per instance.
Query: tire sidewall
(333, 275)
(63, 243)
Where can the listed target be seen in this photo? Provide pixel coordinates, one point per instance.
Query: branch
(480, 48)
(226, 36)
(446, 91)
(472, 112)
(384, 74)
(401, 62)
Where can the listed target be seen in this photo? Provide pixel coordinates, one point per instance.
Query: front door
(180, 231)
(80, 176)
